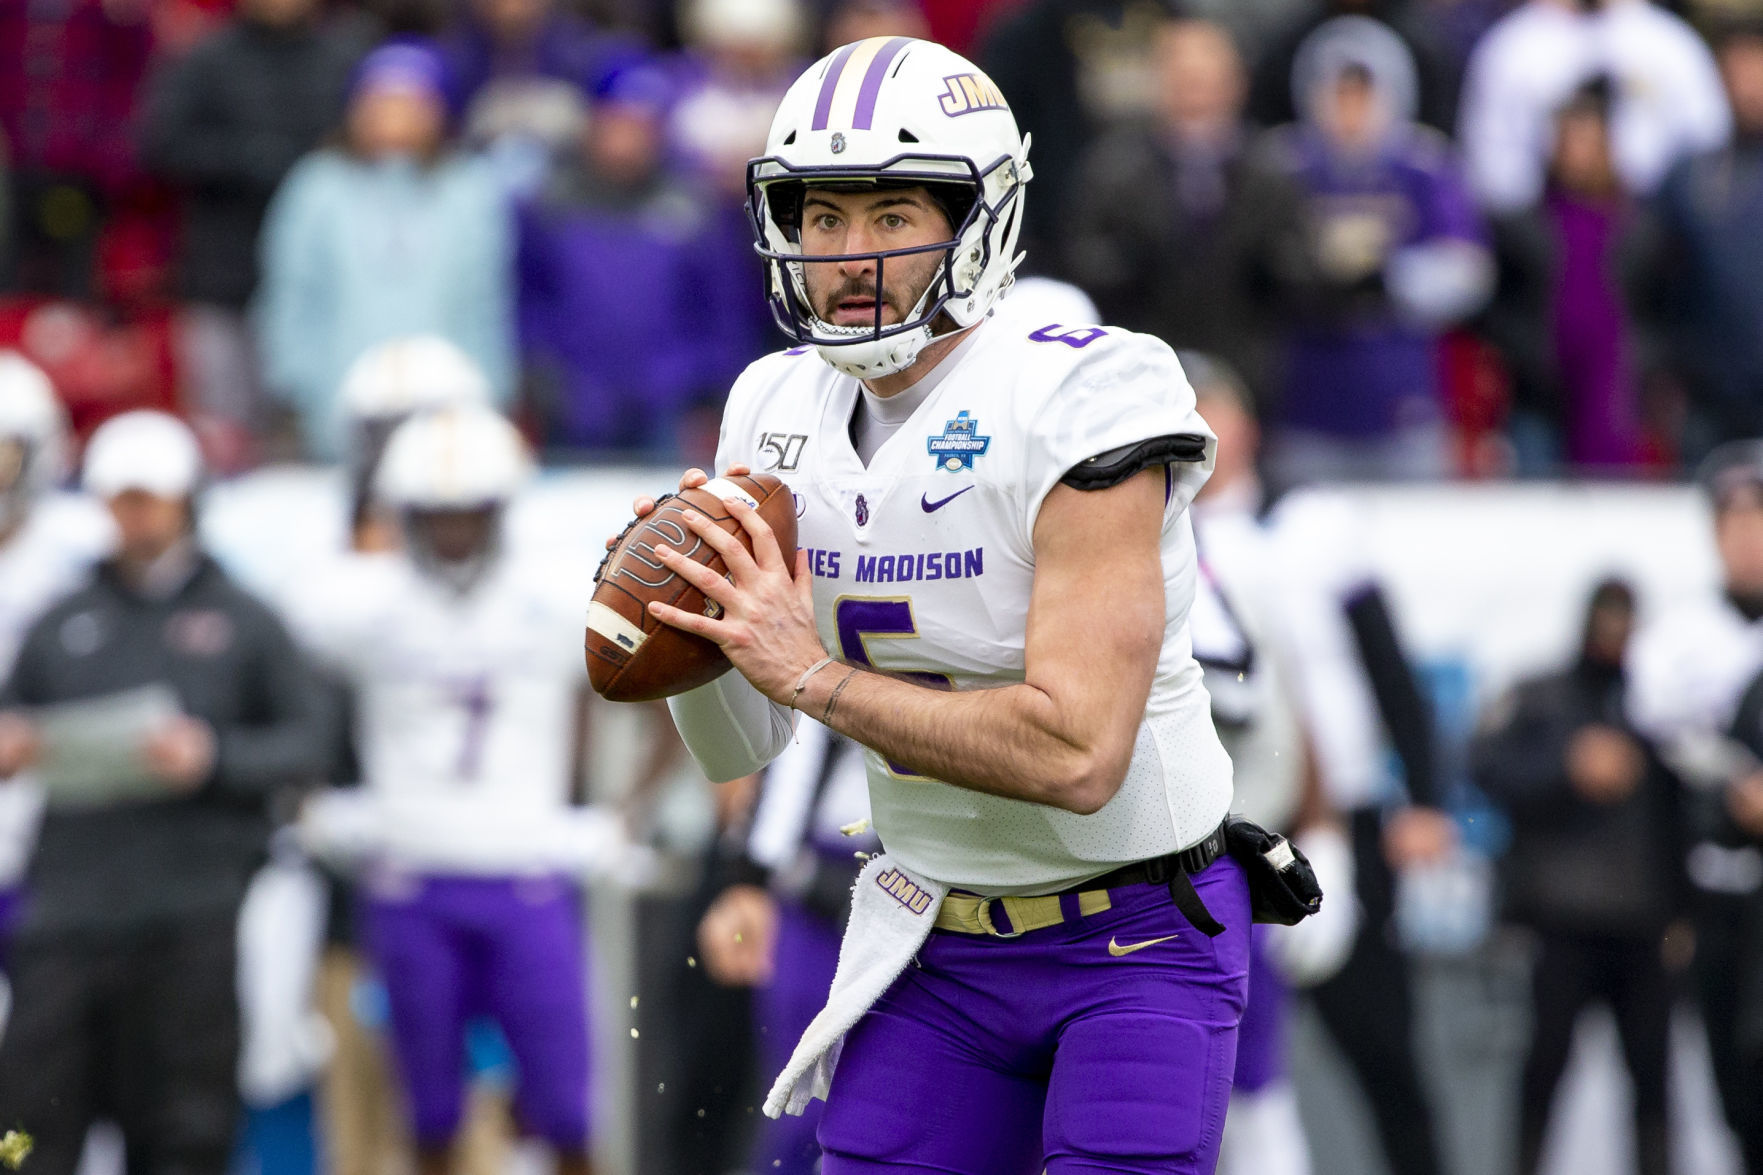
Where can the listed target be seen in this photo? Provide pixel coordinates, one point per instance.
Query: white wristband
(802, 682)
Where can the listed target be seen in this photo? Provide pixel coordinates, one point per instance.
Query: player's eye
(826, 222)
(893, 220)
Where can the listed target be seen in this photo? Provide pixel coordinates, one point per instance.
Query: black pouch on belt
(1282, 886)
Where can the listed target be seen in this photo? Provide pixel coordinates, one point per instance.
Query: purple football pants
(1106, 1043)
(450, 948)
(1261, 1039)
(807, 956)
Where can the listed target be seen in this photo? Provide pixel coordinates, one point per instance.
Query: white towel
(892, 910)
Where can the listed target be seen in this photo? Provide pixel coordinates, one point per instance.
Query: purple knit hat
(401, 65)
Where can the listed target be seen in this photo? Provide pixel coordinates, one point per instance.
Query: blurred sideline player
(1066, 958)
(467, 677)
(1240, 642)
(777, 927)
(364, 1128)
(47, 542)
(1693, 677)
(1360, 697)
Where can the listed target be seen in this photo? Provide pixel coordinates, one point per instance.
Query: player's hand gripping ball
(632, 656)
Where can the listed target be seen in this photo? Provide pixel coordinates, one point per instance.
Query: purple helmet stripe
(872, 80)
(823, 105)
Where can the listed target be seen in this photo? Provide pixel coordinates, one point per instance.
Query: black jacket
(225, 123)
(232, 664)
(1212, 272)
(1574, 864)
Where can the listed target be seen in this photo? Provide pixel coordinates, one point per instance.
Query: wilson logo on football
(643, 565)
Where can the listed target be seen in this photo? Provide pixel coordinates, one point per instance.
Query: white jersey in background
(807, 801)
(1320, 554)
(465, 706)
(923, 564)
(1688, 669)
(1240, 642)
(62, 537)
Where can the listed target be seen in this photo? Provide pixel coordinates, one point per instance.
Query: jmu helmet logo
(969, 93)
(959, 444)
(838, 143)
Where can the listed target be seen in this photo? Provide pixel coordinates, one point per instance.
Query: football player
(1241, 639)
(47, 541)
(1693, 676)
(467, 680)
(997, 554)
(776, 926)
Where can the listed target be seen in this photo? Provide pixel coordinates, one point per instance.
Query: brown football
(633, 657)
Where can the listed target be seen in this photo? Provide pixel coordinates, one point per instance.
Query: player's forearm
(1016, 741)
(730, 728)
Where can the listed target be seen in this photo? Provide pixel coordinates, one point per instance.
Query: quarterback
(992, 597)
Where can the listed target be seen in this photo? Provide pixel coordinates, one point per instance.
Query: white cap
(773, 24)
(453, 459)
(31, 412)
(149, 451)
(405, 375)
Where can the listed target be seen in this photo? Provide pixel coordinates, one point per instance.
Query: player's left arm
(1063, 737)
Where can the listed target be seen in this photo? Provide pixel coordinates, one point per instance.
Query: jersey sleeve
(735, 442)
(334, 613)
(1127, 401)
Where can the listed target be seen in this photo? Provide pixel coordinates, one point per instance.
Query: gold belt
(967, 913)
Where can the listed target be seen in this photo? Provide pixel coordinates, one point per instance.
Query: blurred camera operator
(123, 968)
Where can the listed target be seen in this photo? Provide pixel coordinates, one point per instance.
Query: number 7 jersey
(923, 566)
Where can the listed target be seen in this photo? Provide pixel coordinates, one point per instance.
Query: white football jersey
(465, 703)
(1320, 556)
(923, 565)
(61, 538)
(1688, 669)
(1240, 639)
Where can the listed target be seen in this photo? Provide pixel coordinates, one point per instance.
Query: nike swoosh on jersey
(1117, 950)
(931, 507)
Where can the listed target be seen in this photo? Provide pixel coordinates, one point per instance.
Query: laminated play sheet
(91, 749)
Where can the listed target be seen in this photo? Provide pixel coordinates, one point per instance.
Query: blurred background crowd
(1470, 290)
(1438, 238)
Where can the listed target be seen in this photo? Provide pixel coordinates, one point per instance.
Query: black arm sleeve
(1405, 712)
(1107, 470)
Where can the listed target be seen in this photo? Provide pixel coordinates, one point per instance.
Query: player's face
(1738, 533)
(844, 293)
(454, 536)
(1239, 439)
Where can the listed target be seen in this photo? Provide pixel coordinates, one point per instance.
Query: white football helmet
(443, 465)
(899, 112)
(459, 458)
(408, 374)
(150, 451)
(33, 435)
